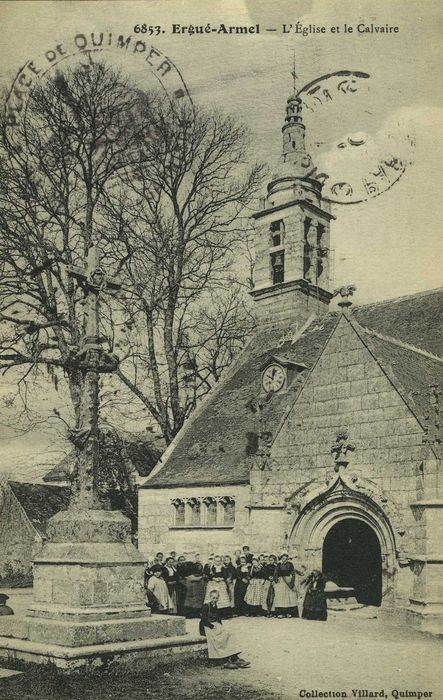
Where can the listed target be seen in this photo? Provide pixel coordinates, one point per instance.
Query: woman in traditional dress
(170, 576)
(180, 586)
(254, 592)
(159, 589)
(314, 605)
(231, 575)
(285, 592)
(241, 586)
(192, 574)
(221, 646)
(217, 581)
(267, 603)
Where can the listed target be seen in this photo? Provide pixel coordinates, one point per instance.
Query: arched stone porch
(319, 507)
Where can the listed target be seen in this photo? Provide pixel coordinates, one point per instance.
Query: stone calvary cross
(88, 595)
(91, 359)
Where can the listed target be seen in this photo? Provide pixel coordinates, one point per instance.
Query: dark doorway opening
(352, 558)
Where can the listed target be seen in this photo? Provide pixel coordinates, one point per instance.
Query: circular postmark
(358, 151)
(82, 48)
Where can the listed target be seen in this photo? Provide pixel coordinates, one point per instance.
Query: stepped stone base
(89, 601)
(138, 655)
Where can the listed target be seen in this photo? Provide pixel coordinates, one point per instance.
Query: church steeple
(291, 274)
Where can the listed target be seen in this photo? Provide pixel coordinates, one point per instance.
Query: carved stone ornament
(345, 292)
(262, 458)
(340, 450)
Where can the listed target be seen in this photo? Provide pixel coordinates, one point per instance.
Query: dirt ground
(289, 659)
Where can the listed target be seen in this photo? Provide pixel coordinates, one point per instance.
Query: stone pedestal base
(89, 599)
(137, 655)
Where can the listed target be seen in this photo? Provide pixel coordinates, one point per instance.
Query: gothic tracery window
(228, 510)
(211, 511)
(194, 511)
(208, 511)
(179, 512)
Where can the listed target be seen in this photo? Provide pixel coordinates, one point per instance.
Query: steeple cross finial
(294, 74)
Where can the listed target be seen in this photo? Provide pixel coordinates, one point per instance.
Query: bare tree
(81, 128)
(183, 224)
(165, 192)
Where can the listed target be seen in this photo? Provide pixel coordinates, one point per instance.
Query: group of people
(246, 585)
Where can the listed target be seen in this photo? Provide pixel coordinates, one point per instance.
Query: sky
(388, 246)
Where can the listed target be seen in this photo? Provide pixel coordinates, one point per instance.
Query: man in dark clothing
(247, 554)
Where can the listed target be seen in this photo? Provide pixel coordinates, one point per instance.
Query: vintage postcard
(221, 352)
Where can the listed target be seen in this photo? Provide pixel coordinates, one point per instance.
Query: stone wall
(156, 526)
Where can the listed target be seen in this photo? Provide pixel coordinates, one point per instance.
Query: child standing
(158, 587)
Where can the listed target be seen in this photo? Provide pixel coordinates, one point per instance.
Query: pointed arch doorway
(352, 558)
(327, 517)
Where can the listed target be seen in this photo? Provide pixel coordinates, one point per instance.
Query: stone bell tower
(291, 274)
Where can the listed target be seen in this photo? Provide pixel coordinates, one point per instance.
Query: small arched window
(228, 510)
(179, 512)
(194, 511)
(211, 511)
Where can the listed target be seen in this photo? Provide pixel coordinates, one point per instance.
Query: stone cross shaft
(91, 359)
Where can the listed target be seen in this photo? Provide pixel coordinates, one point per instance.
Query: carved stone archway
(318, 507)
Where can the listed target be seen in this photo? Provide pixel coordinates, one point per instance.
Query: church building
(323, 439)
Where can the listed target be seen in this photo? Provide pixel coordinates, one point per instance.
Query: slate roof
(410, 372)
(415, 319)
(40, 501)
(216, 445)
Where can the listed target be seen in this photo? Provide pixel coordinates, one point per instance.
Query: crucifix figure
(91, 360)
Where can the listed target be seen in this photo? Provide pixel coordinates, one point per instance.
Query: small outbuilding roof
(142, 448)
(40, 501)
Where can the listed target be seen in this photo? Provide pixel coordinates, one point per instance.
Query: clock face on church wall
(273, 378)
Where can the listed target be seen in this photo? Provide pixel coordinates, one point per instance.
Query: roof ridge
(380, 302)
(400, 343)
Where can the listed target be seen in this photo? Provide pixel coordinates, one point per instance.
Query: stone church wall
(157, 532)
(349, 391)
